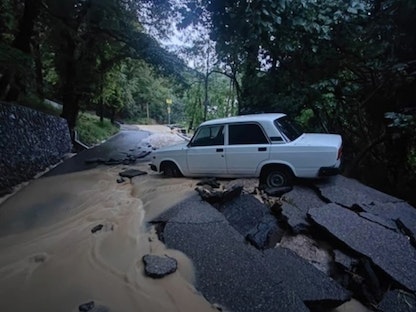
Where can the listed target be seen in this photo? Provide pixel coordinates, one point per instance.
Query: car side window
(246, 134)
(208, 136)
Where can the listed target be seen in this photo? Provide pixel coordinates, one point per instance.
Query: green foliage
(92, 131)
(337, 65)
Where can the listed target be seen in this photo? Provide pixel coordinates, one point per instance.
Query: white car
(267, 146)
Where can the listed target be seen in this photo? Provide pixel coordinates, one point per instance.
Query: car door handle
(262, 149)
(220, 150)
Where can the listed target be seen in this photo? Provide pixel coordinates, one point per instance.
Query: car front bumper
(153, 167)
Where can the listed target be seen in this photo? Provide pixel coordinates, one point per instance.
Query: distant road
(117, 147)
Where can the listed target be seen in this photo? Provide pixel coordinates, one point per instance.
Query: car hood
(174, 147)
(319, 139)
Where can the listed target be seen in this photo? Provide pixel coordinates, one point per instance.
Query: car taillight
(339, 153)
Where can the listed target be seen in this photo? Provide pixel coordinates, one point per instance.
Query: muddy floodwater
(51, 261)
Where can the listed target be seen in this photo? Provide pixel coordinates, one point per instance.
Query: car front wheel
(277, 177)
(169, 169)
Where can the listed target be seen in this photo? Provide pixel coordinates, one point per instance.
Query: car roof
(244, 118)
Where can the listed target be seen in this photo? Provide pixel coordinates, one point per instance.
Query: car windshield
(288, 128)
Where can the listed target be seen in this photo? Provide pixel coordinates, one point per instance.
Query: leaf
(352, 10)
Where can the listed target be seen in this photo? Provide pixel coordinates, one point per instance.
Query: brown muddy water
(51, 261)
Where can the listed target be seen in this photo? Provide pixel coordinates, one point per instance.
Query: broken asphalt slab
(388, 250)
(233, 274)
(252, 219)
(397, 301)
(399, 215)
(347, 192)
(295, 206)
(316, 287)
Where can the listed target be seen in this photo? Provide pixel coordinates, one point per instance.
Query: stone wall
(30, 142)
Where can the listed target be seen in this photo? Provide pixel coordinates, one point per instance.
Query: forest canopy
(338, 66)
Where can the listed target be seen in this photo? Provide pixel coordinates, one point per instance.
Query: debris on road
(158, 267)
(354, 245)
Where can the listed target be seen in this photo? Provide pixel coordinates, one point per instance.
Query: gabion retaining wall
(30, 141)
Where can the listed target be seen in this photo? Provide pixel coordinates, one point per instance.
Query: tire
(169, 169)
(277, 177)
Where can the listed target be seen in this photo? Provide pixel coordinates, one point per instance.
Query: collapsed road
(309, 248)
(236, 243)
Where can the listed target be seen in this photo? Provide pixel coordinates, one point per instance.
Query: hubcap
(275, 180)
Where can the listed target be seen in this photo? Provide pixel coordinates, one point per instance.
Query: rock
(85, 307)
(232, 192)
(158, 267)
(295, 206)
(278, 191)
(143, 154)
(120, 180)
(97, 228)
(314, 287)
(249, 185)
(210, 181)
(212, 196)
(390, 251)
(265, 234)
(397, 301)
(131, 173)
(6, 191)
(209, 195)
(343, 259)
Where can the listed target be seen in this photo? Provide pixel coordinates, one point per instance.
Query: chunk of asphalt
(266, 233)
(401, 213)
(229, 272)
(343, 259)
(390, 251)
(388, 224)
(97, 228)
(159, 266)
(131, 173)
(314, 287)
(252, 219)
(244, 213)
(85, 307)
(397, 301)
(347, 192)
(295, 206)
(187, 205)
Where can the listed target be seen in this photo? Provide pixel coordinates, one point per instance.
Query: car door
(247, 147)
(205, 155)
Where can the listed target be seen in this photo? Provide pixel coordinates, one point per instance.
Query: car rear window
(288, 128)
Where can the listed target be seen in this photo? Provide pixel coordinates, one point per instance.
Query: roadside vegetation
(91, 130)
(337, 66)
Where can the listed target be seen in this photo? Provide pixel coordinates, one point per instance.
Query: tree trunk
(38, 69)
(69, 97)
(12, 82)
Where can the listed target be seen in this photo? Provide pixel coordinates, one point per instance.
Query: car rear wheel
(277, 177)
(169, 169)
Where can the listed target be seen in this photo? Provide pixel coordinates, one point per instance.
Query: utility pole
(168, 103)
(147, 113)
